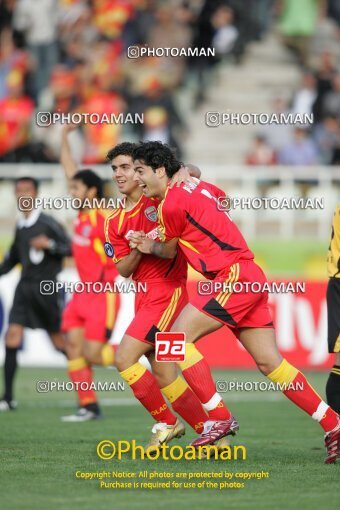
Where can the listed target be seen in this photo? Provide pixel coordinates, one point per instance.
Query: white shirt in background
(38, 19)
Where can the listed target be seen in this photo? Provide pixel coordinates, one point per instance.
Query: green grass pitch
(40, 454)
(275, 254)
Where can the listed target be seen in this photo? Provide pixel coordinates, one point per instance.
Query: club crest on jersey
(108, 248)
(151, 213)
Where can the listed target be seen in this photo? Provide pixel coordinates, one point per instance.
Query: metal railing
(236, 180)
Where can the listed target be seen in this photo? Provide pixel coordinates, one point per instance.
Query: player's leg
(333, 385)
(79, 370)
(88, 345)
(196, 371)
(99, 323)
(333, 320)
(59, 341)
(97, 313)
(141, 380)
(146, 389)
(182, 398)
(13, 341)
(18, 319)
(156, 310)
(206, 314)
(81, 374)
(256, 333)
(162, 317)
(46, 314)
(99, 353)
(177, 391)
(153, 309)
(261, 345)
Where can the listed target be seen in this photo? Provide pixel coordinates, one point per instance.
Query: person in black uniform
(39, 245)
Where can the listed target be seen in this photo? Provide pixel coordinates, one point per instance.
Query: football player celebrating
(88, 318)
(192, 224)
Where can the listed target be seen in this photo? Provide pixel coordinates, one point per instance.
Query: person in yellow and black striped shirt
(333, 308)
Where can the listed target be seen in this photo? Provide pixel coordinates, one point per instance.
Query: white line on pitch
(124, 402)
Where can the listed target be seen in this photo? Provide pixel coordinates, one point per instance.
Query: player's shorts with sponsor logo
(333, 314)
(241, 309)
(157, 309)
(94, 312)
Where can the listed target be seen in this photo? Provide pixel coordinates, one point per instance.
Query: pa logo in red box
(170, 346)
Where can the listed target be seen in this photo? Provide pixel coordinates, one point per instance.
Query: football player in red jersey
(156, 310)
(88, 318)
(192, 224)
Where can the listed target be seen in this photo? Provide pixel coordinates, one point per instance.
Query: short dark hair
(90, 179)
(34, 181)
(122, 149)
(156, 155)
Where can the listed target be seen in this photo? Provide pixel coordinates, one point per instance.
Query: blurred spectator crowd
(317, 94)
(71, 56)
(319, 143)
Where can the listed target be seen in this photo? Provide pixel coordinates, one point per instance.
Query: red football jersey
(207, 236)
(88, 247)
(143, 216)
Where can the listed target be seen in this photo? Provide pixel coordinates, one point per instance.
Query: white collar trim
(30, 221)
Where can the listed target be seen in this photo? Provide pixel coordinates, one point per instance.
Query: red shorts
(243, 307)
(95, 312)
(157, 309)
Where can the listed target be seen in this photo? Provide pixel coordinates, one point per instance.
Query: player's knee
(73, 348)
(164, 373)
(89, 356)
(266, 367)
(162, 379)
(13, 337)
(91, 353)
